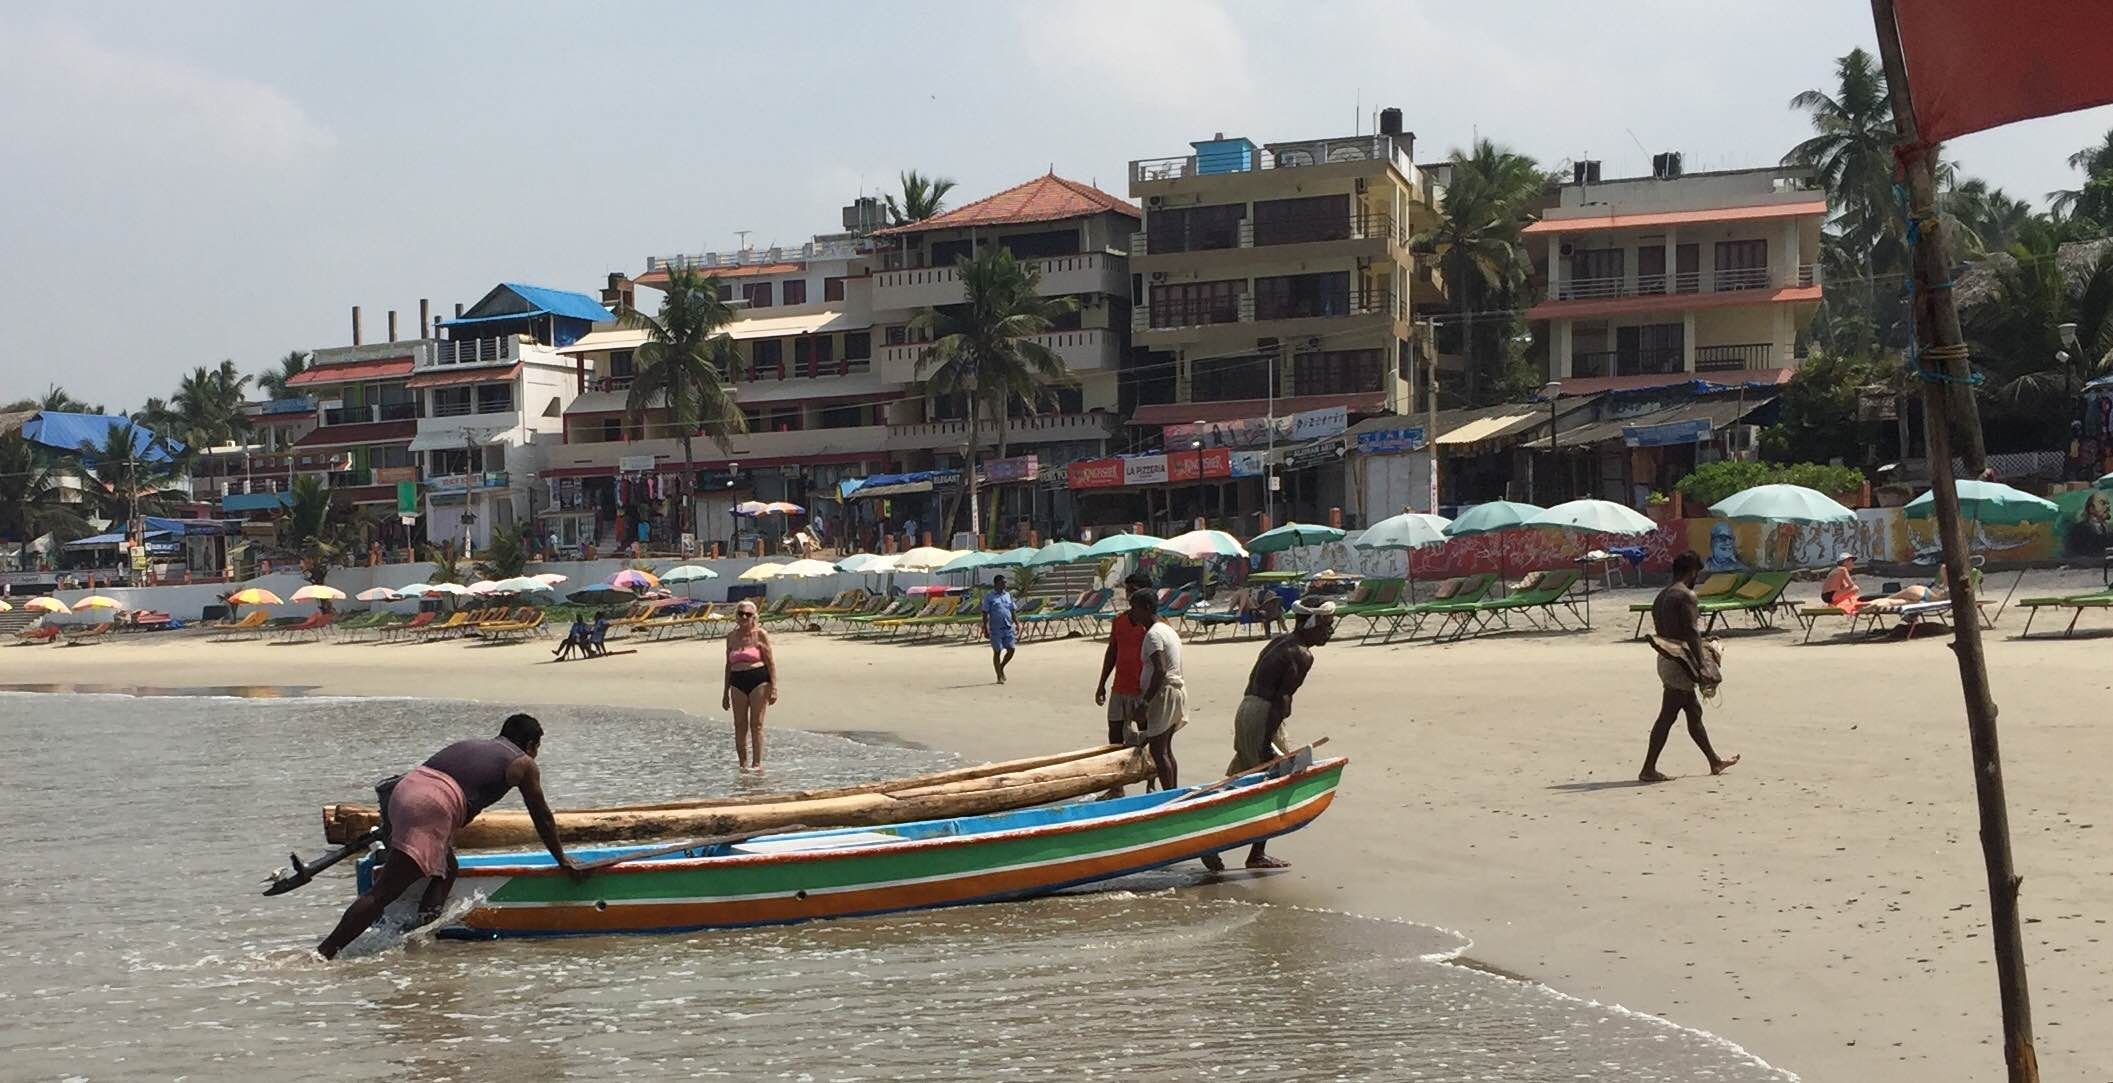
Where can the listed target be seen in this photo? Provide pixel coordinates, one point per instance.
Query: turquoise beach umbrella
(1492, 517)
(1115, 545)
(1989, 502)
(965, 562)
(1292, 536)
(1781, 504)
(1409, 530)
(1011, 558)
(1597, 516)
(1057, 552)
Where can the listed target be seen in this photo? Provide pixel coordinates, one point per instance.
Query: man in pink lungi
(427, 806)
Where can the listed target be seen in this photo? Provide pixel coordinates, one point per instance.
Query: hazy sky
(185, 182)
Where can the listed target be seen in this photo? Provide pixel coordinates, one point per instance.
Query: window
(620, 365)
(390, 455)
(1295, 221)
(612, 429)
(1742, 265)
(811, 354)
(1291, 297)
(1192, 303)
(898, 335)
(451, 401)
(844, 417)
(758, 294)
(833, 288)
(495, 398)
(1687, 276)
(1072, 320)
(1055, 242)
(442, 462)
(1652, 348)
(1595, 272)
(726, 291)
(1650, 265)
(1194, 229)
(767, 359)
(772, 418)
(858, 346)
(1336, 372)
(948, 253)
(795, 291)
(1224, 378)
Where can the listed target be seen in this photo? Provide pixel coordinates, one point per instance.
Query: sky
(185, 183)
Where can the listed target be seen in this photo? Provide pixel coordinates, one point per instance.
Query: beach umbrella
(1495, 517)
(1057, 552)
(688, 573)
(550, 578)
(1596, 516)
(751, 508)
(1989, 502)
(1409, 530)
(784, 507)
(520, 584)
(1292, 536)
(924, 558)
(601, 594)
(46, 604)
(1115, 545)
(765, 570)
(413, 590)
(254, 596)
(1202, 544)
(856, 562)
(632, 579)
(806, 569)
(317, 592)
(1781, 504)
(484, 586)
(1012, 558)
(881, 565)
(378, 594)
(98, 601)
(4, 607)
(965, 561)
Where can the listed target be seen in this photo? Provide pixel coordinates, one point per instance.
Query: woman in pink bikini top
(751, 683)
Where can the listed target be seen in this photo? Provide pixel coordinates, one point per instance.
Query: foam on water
(138, 942)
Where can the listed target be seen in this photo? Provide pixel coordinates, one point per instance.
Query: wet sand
(1823, 904)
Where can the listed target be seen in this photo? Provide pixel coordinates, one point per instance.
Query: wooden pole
(1948, 401)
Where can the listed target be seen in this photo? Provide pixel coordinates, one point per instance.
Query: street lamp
(1551, 391)
(1197, 445)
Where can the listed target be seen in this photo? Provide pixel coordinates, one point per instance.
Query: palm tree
(684, 364)
(308, 529)
(1990, 220)
(1851, 152)
(31, 503)
(1477, 244)
(273, 382)
(209, 405)
(984, 348)
(508, 555)
(2094, 201)
(447, 564)
(130, 472)
(922, 197)
(56, 400)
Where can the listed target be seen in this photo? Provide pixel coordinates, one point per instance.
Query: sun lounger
(1715, 585)
(512, 629)
(1371, 596)
(1759, 597)
(419, 622)
(37, 633)
(1542, 593)
(1451, 593)
(1087, 606)
(313, 624)
(2097, 599)
(251, 626)
(87, 633)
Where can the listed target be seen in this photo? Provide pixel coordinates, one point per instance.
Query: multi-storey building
(1279, 279)
(829, 376)
(488, 393)
(366, 417)
(253, 477)
(1662, 279)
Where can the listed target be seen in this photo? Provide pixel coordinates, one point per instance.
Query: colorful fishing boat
(849, 872)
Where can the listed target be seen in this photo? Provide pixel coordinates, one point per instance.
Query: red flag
(1975, 64)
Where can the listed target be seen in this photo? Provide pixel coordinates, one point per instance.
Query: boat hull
(937, 864)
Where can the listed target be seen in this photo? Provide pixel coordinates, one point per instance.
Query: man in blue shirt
(998, 626)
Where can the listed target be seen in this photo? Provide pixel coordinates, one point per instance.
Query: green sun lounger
(2097, 599)
(1716, 585)
(1546, 597)
(1452, 592)
(1759, 597)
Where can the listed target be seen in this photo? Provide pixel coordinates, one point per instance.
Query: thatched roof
(1977, 282)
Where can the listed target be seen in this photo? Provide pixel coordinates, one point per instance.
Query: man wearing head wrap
(1258, 725)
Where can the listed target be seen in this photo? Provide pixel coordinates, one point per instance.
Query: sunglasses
(744, 614)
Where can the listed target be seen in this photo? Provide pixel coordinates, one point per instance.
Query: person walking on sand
(1166, 700)
(425, 808)
(1125, 659)
(1258, 725)
(999, 626)
(751, 683)
(1685, 665)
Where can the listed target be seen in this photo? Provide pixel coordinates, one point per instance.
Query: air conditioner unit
(1159, 276)
(1742, 441)
(1266, 344)
(1155, 201)
(1313, 343)
(1566, 249)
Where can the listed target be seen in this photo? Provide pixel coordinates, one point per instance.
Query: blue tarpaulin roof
(67, 432)
(183, 526)
(95, 540)
(535, 301)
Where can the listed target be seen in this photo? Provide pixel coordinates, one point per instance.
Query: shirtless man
(1676, 616)
(1258, 726)
(431, 803)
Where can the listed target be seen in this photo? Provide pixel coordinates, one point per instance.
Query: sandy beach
(1822, 905)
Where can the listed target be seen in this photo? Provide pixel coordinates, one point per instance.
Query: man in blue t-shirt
(998, 626)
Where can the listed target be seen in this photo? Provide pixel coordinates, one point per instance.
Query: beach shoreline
(1821, 906)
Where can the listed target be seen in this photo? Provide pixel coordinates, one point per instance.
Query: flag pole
(1948, 402)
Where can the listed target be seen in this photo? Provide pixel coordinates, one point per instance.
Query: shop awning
(111, 541)
(457, 378)
(441, 439)
(623, 338)
(779, 326)
(921, 481)
(1715, 413)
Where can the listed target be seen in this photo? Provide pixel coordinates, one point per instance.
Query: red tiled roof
(1046, 198)
(1670, 302)
(1678, 218)
(365, 432)
(353, 370)
(1592, 385)
(466, 376)
(1180, 413)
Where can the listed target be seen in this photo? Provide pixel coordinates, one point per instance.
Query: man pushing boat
(424, 809)
(1258, 725)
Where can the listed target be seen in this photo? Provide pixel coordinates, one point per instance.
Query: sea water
(135, 943)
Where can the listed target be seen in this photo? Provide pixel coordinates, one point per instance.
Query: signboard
(1254, 432)
(635, 464)
(1693, 431)
(1145, 470)
(260, 530)
(1017, 468)
(395, 475)
(1391, 441)
(407, 500)
(1245, 464)
(1208, 463)
(1095, 473)
(139, 558)
(1179, 467)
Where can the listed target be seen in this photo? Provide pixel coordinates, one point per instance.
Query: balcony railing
(1247, 308)
(1314, 152)
(1755, 355)
(750, 257)
(1636, 362)
(1300, 229)
(346, 479)
(476, 351)
(1654, 285)
(361, 415)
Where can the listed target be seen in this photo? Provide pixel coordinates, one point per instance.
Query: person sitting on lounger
(598, 639)
(575, 639)
(1840, 590)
